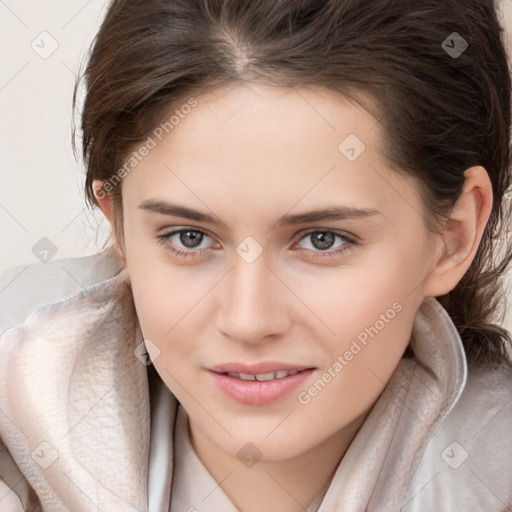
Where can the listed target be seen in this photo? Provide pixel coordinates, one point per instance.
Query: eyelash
(347, 246)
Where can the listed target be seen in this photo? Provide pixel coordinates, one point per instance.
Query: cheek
(167, 308)
(167, 317)
(170, 304)
(162, 293)
(348, 299)
(369, 345)
(367, 316)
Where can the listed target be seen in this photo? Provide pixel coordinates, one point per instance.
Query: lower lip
(258, 393)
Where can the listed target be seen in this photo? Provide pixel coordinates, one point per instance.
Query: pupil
(192, 235)
(323, 239)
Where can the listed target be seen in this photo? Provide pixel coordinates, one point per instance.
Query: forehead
(262, 148)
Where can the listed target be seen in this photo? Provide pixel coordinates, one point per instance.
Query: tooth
(265, 376)
(262, 376)
(247, 376)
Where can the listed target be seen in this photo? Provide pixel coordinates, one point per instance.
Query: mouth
(266, 383)
(262, 368)
(261, 377)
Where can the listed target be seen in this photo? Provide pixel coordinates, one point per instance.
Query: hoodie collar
(379, 466)
(74, 402)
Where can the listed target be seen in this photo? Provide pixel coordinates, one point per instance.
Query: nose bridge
(250, 305)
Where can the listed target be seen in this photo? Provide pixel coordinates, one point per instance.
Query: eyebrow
(320, 215)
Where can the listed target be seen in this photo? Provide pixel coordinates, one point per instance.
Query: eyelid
(349, 242)
(348, 239)
(301, 234)
(348, 236)
(166, 235)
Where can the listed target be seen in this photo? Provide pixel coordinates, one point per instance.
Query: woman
(306, 199)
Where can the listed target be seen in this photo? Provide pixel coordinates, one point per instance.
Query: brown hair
(443, 111)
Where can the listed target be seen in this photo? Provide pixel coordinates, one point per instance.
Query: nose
(252, 305)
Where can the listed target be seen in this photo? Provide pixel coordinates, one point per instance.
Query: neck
(286, 485)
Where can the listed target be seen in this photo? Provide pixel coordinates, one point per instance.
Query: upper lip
(258, 368)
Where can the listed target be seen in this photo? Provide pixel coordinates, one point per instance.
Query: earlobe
(463, 231)
(103, 199)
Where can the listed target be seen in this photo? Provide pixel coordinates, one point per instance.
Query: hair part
(440, 115)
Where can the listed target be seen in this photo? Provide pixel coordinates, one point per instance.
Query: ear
(462, 234)
(105, 203)
(104, 200)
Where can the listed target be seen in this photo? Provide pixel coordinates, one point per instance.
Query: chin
(250, 447)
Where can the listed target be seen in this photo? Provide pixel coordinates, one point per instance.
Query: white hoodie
(87, 426)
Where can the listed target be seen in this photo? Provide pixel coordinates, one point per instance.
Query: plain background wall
(41, 197)
(40, 181)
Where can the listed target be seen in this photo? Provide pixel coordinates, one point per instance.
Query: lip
(255, 368)
(253, 392)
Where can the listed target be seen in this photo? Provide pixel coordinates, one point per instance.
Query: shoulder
(483, 411)
(467, 463)
(26, 287)
(47, 346)
(58, 321)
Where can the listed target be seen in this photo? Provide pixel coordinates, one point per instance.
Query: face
(251, 281)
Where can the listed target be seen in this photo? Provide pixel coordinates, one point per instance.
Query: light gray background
(40, 181)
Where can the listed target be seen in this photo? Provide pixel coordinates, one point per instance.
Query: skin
(249, 154)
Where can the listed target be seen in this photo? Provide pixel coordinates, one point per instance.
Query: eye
(188, 238)
(321, 243)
